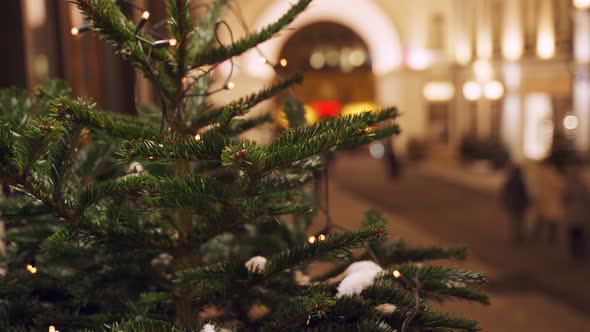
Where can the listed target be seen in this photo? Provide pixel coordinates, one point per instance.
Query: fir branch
(8, 155)
(304, 142)
(235, 270)
(84, 112)
(203, 35)
(246, 103)
(223, 53)
(209, 147)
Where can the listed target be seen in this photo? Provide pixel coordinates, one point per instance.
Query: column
(512, 50)
(581, 84)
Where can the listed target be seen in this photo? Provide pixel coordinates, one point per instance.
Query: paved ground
(533, 287)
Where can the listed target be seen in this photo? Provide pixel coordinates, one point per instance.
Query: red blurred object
(326, 108)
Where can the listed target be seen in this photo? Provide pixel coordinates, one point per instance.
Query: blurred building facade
(512, 70)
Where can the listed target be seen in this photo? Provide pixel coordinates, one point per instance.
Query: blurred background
(495, 140)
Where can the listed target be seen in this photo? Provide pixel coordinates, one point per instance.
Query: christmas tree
(171, 221)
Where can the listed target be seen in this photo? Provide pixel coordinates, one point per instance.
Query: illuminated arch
(364, 17)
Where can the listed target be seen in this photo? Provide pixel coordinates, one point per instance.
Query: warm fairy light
(322, 237)
(262, 60)
(230, 85)
(31, 269)
(197, 137)
(172, 42)
(397, 274)
(312, 239)
(169, 129)
(52, 329)
(570, 122)
(472, 91)
(78, 30)
(145, 15)
(151, 158)
(283, 62)
(493, 90)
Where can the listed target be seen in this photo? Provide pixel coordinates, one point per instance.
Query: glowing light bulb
(322, 237)
(151, 158)
(283, 62)
(31, 269)
(74, 31)
(493, 90)
(397, 274)
(570, 122)
(52, 328)
(262, 60)
(197, 137)
(145, 15)
(230, 85)
(472, 91)
(172, 42)
(312, 239)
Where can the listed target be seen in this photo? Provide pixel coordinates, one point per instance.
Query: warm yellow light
(397, 274)
(52, 328)
(512, 32)
(483, 70)
(570, 122)
(358, 108)
(582, 4)
(74, 31)
(312, 239)
(317, 60)
(419, 59)
(538, 126)
(546, 30)
(172, 42)
(322, 237)
(197, 137)
(493, 90)
(472, 91)
(230, 85)
(283, 62)
(262, 60)
(438, 91)
(31, 269)
(145, 15)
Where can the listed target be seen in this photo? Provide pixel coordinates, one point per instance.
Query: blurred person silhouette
(576, 203)
(545, 181)
(515, 198)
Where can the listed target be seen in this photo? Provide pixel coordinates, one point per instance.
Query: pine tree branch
(235, 271)
(246, 103)
(84, 112)
(209, 147)
(222, 53)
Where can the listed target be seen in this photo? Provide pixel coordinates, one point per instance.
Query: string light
(230, 85)
(151, 158)
(144, 17)
(283, 62)
(312, 239)
(81, 29)
(322, 237)
(31, 269)
(262, 60)
(52, 329)
(397, 274)
(165, 43)
(197, 137)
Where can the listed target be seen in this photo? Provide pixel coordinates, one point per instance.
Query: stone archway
(365, 18)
